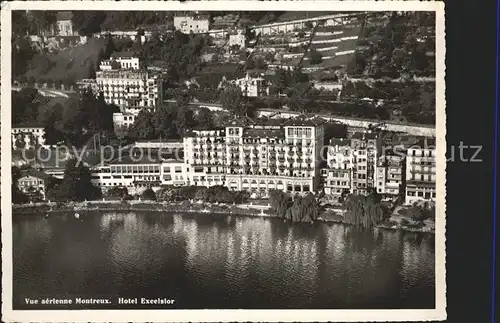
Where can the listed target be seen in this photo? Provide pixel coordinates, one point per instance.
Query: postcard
(223, 161)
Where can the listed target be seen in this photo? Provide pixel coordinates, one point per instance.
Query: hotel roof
(340, 142)
(425, 143)
(364, 136)
(146, 159)
(64, 15)
(35, 173)
(303, 120)
(263, 133)
(31, 124)
(124, 54)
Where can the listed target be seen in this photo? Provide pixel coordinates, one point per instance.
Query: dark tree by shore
(301, 209)
(18, 197)
(76, 185)
(149, 195)
(365, 211)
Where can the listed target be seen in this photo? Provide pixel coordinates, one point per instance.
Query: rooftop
(31, 124)
(303, 120)
(145, 159)
(263, 133)
(123, 54)
(364, 136)
(34, 173)
(64, 15)
(339, 142)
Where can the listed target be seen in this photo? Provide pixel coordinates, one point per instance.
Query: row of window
(426, 195)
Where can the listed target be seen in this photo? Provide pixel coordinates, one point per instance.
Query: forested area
(404, 46)
(73, 123)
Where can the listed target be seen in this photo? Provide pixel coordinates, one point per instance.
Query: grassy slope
(70, 64)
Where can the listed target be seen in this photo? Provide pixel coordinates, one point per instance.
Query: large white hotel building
(130, 89)
(245, 155)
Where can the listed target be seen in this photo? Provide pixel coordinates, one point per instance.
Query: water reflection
(223, 262)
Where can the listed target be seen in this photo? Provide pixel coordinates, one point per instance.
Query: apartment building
(121, 60)
(421, 171)
(196, 24)
(351, 165)
(130, 88)
(366, 147)
(390, 175)
(337, 176)
(252, 86)
(27, 136)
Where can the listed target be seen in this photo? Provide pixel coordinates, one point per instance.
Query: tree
(184, 120)
(250, 64)
(231, 98)
(149, 194)
(260, 63)
(88, 22)
(279, 202)
(203, 119)
(24, 110)
(143, 127)
(51, 122)
(18, 197)
(76, 185)
(365, 211)
(91, 72)
(315, 57)
(42, 21)
(214, 59)
(110, 47)
(303, 209)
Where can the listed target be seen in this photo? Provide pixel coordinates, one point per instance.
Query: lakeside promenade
(201, 208)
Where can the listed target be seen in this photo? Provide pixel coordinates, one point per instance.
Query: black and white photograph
(166, 158)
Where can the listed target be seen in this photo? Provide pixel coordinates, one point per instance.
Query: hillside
(66, 66)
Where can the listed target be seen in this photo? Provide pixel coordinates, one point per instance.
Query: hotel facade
(257, 157)
(421, 171)
(243, 156)
(130, 88)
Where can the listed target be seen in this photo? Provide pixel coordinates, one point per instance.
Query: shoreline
(247, 210)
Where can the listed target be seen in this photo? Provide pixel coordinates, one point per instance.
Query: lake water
(219, 262)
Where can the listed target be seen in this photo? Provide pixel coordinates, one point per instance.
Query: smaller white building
(389, 173)
(238, 39)
(138, 173)
(252, 86)
(33, 184)
(122, 122)
(196, 24)
(27, 137)
(121, 60)
(64, 24)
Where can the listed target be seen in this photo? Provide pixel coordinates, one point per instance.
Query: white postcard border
(358, 315)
